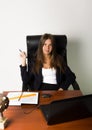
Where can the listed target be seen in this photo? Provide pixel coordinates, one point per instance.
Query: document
(18, 98)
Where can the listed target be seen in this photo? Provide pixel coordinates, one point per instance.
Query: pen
(22, 96)
(20, 50)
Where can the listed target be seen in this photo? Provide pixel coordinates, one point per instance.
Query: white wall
(19, 18)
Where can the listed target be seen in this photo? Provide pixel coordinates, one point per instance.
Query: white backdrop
(19, 18)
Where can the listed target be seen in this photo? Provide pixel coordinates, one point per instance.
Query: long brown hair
(56, 60)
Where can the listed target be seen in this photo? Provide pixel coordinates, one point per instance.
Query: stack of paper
(18, 98)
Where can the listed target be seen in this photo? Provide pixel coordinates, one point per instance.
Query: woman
(48, 70)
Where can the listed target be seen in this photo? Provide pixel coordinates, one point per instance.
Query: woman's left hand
(60, 89)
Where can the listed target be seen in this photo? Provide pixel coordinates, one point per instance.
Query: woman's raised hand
(23, 58)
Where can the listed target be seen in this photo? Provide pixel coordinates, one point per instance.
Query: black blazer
(35, 80)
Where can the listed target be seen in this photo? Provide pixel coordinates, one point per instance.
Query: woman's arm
(68, 78)
(23, 58)
(23, 68)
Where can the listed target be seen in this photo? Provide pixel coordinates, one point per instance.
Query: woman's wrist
(23, 63)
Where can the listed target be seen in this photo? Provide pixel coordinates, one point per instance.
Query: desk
(23, 118)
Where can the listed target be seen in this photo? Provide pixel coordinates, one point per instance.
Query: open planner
(18, 98)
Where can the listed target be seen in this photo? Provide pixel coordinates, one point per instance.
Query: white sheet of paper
(25, 98)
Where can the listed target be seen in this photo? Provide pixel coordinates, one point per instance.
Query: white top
(49, 75)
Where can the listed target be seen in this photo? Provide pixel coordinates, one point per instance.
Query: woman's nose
(47, 47)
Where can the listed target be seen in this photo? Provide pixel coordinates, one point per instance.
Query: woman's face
(47, 47)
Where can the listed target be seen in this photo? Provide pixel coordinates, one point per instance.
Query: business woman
(48, 70)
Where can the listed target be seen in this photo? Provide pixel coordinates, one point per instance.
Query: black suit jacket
(34, 81)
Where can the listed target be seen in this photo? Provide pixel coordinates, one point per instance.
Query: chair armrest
(75, 85)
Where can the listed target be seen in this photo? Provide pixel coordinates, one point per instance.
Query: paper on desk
(25, 98)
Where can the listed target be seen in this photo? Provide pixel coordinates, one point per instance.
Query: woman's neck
(47, 56)
(47, 60)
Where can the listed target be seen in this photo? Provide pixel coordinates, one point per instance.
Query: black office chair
(61, 48)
